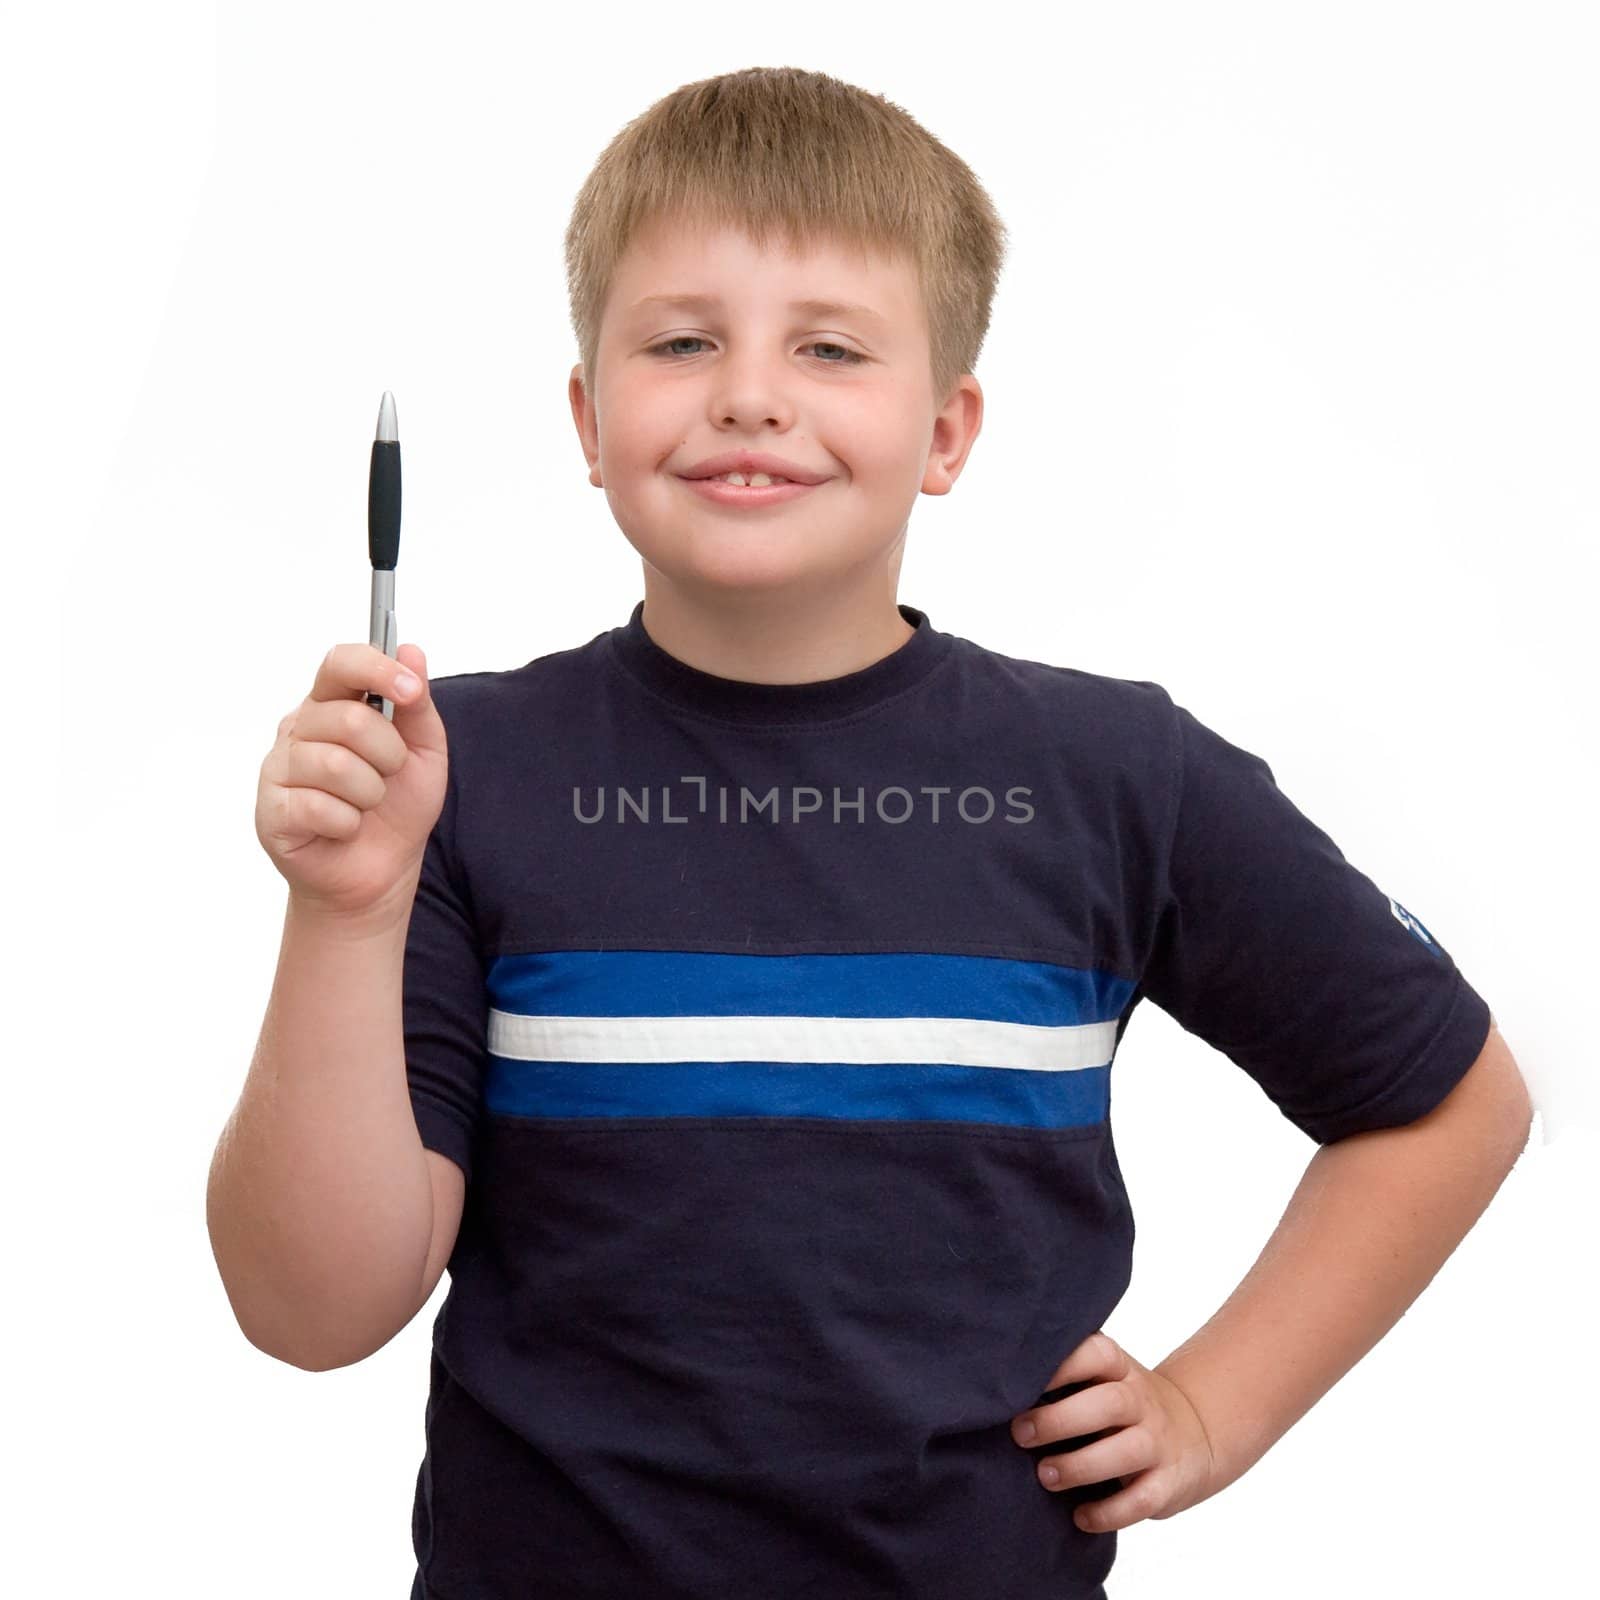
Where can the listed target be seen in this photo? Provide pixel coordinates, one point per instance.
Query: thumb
(410, 657)
(418, 717)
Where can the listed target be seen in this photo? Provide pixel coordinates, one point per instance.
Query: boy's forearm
(1373, 1219)
(319, 1203)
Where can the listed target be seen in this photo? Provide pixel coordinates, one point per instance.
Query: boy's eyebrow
(813, 308)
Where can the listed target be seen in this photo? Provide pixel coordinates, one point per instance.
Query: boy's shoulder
(1077, 702)
(1054, 677)
(543, 679)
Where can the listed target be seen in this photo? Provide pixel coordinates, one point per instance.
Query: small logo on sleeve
(1412, 924)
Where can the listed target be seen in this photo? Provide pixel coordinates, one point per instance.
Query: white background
(1291, 406)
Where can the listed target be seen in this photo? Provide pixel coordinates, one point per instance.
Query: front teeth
(756, 480)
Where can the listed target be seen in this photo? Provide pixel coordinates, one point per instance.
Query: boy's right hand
(347, 799)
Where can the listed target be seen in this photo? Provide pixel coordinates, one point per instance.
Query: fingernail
(405, 682)
(1026, 1433)
(1050, 1474)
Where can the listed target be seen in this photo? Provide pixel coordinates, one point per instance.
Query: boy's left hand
(1152, 1435)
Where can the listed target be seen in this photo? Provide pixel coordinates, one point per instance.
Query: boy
(757, 969)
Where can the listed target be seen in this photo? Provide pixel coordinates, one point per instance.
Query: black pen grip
(383, 505)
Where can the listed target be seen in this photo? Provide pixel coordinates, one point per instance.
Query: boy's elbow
(292, 1352)
(304, 1361)
(324, 1358)
(278, 1351)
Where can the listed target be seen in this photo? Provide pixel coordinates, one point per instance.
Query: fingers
(1088, 1410)
(352, 724)
(1131, 1499)
(1097, 1357)
(1122, 1441)
(1097, 1360)
(335, 769)
(1091, 1451)
(1101, 1464)
(303, 811)
(335, 744)
(352, 670)
(337, 760)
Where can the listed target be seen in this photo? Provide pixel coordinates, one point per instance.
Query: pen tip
(388, 427)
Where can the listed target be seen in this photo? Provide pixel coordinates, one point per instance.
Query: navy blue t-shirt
(772, 1026)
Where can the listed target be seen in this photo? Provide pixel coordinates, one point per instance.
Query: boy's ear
(583, 417)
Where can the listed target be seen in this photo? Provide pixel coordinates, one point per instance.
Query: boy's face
(676, 384)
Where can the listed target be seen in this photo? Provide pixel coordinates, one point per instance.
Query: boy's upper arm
(1493, 1093)
(449, 1197)
(444, 1010)
(1284, 956)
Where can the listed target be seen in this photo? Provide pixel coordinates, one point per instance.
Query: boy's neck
(773, 637)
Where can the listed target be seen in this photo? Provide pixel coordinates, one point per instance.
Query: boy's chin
(731, 576)
(740, 564)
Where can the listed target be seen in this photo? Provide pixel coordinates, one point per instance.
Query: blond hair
(781, 152)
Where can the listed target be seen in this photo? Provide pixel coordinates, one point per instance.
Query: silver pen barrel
(383, 634)
(383, 536)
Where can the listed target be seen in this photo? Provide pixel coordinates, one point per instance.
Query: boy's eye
(816, 344)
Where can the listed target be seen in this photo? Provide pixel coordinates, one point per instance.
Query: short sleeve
(1275, 950)
(444, 1000)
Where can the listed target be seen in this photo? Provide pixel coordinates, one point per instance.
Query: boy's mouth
(720, 492)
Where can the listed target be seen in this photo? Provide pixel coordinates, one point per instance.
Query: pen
(383, 536)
